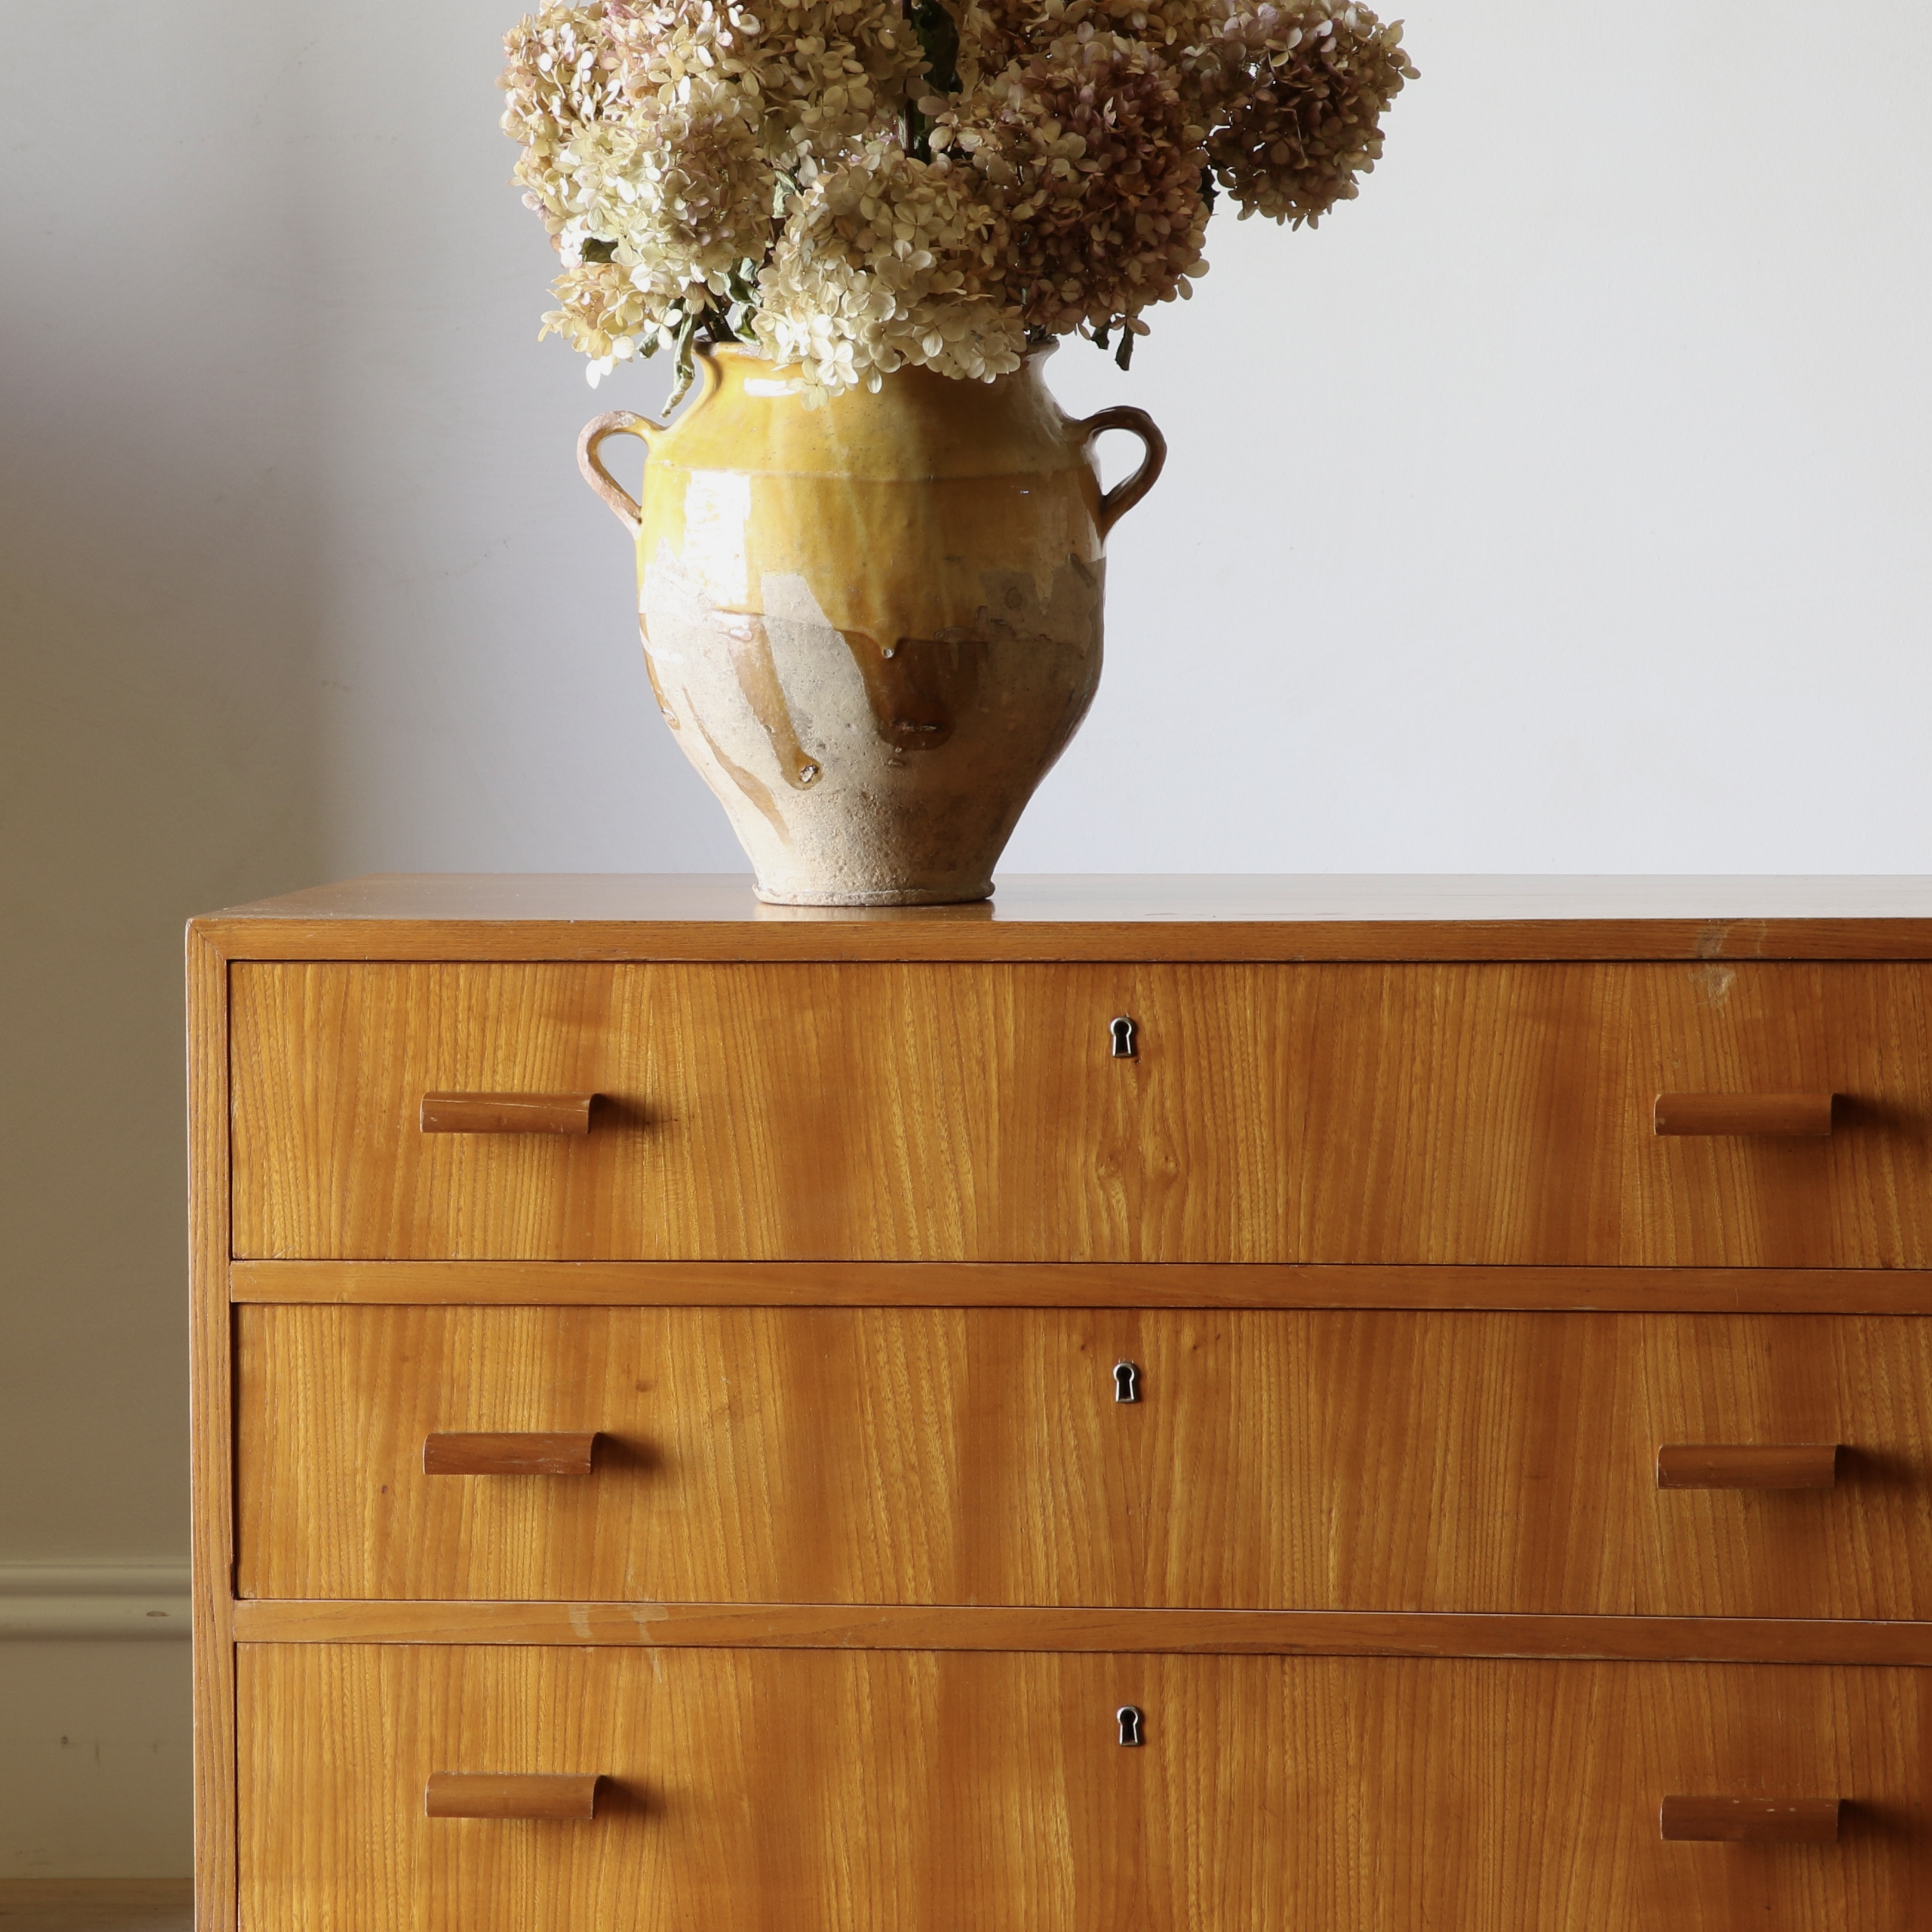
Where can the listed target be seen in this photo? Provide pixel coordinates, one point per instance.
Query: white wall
(1561, 506)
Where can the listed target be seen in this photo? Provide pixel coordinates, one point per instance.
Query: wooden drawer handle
(1720, 1465)
(1750, 1821)
(498, 1452)
(506, 1113)
(452, 1794)
(1791, 1116)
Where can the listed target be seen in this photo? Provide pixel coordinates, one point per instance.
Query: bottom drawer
(789, 1791)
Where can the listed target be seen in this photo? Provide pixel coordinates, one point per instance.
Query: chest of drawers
(1161, 1407)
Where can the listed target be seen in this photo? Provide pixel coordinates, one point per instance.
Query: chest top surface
(1180, 917)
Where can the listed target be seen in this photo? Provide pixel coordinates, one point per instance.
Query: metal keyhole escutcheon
(1123, 1031)
(1126, 1381)
(1128, 1717)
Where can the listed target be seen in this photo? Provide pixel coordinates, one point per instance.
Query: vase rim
(750, 352)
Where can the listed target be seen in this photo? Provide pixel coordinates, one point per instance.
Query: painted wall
(1559, 505)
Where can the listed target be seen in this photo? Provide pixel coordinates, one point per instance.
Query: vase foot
(888, 895)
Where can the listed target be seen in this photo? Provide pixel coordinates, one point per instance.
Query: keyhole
(1123, 1030)
(1126, 1382)
(1129, 1718)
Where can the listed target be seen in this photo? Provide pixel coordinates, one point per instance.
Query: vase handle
(618, 422)
(1123, 495)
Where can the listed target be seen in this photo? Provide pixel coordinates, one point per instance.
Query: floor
(96, 1905)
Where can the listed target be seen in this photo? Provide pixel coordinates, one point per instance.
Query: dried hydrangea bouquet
(870, 554)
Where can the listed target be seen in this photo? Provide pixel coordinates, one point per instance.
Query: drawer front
(1308, 1459)
(1493, 1114)
(793, 1791)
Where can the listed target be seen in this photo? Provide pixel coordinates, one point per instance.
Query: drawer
(750, 1791)
(1307, 1460)
(1494, 1115)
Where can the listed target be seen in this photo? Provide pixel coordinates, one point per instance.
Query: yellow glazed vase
(873, 626)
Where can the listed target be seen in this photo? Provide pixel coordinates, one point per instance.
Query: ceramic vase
(875, 624)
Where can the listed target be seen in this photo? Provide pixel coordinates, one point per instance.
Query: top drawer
(1491, 1115)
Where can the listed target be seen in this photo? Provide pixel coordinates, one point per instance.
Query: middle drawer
(1303, 1459)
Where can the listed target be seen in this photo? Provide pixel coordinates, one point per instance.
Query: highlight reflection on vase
(875, 625)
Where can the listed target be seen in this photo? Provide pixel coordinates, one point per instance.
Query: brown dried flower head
(1091, 161)
(1301, 91)
(995, 33)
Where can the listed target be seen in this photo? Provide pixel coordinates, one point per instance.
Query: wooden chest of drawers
(1162, 1408)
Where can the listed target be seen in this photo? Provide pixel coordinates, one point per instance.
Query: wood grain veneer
(1296, 1459)
(1082, 1285)
(873, 1792)
(869, 1195)
(1402, 1115)
(1160, 1632)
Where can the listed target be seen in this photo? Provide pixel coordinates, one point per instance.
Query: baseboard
(96, 1905)
(156, 1891)
(62, 1602)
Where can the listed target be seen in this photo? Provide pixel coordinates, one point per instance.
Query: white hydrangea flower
(816, 75)
(562, 78)
(882, 265)
(679, 189)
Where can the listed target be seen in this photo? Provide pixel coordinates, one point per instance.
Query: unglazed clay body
(874, 625)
